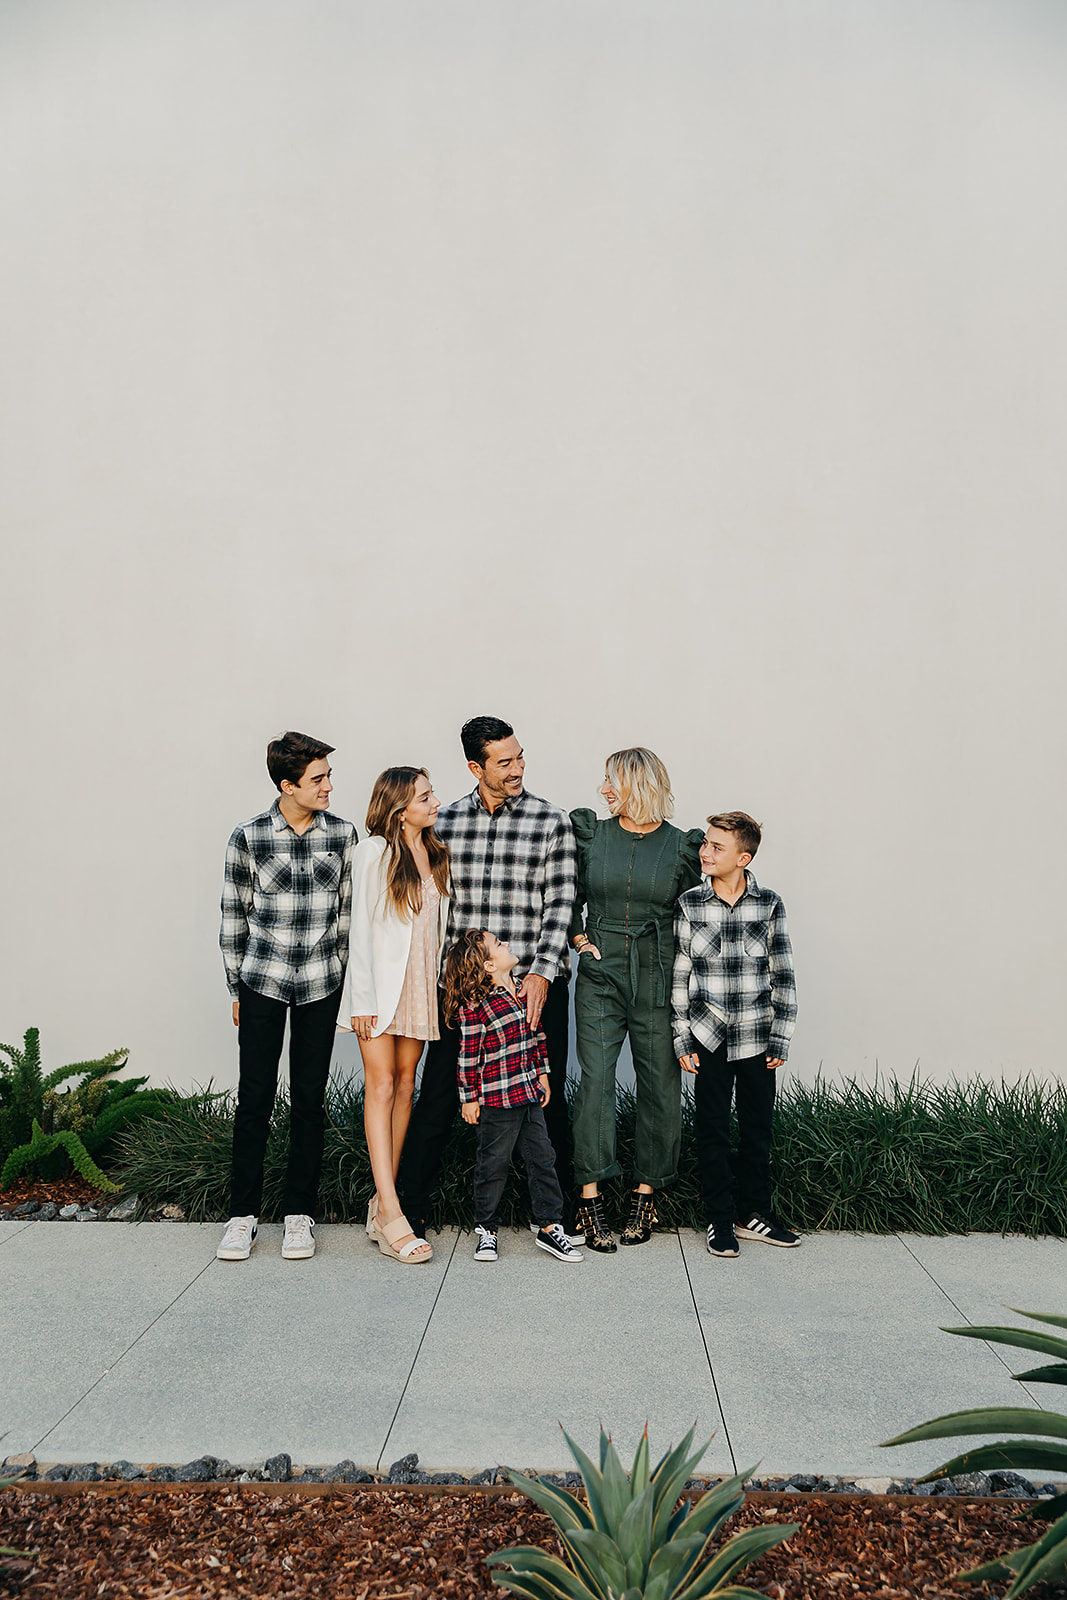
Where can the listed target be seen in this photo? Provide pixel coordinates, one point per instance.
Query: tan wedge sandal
(405, 1253)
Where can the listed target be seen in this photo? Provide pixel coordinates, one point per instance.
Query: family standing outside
(679, 950)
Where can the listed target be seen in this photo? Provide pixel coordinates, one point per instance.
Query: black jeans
(502, 1130)
(435, 1109)
(260, 1032)
(755, 1084)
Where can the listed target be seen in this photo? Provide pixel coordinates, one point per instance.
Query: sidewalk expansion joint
(963, 1315)
(707, 1352)
(418, 1352)
(122, 1354)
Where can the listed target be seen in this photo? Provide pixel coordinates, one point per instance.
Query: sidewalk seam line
(122, 1355)
(418, 1352)
(707, 1352)
(990, 1347)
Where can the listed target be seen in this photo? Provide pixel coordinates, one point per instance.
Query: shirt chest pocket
(275, 875)
(706, 944)
(754, 938)
(326, 870)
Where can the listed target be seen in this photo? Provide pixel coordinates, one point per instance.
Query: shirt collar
(751, 888)
(279, 824)
(478, 804)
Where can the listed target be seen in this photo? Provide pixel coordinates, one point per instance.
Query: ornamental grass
(854, 1157)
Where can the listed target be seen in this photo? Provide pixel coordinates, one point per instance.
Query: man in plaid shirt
(286, 910)
(733, 1006)
(514, 869)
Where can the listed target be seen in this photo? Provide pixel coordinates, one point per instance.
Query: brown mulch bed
(64, 1191)
(369, 1545)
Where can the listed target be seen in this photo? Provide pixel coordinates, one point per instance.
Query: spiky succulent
(632, 1540)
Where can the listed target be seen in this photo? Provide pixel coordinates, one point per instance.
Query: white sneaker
(299, 1241)
(238, 1239)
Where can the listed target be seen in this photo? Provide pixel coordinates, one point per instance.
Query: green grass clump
(865, 1158)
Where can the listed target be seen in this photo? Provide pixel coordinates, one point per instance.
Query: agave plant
(1046, 1560)
(633, 1539)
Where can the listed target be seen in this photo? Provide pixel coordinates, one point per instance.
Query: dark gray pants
(502, 1130)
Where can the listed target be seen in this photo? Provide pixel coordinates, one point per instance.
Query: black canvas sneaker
(766, 1230)
(721, 1241)
(485, 1249)
(555, 1241)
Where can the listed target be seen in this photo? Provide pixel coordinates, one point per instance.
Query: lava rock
(163, 1475)
(406, 1470)
(126, 1209)
(971, 1483)
(26, 1464)
(448, 1477)
(346, 1472)
(489, 1474)
(48, 1212)
(202, 1470)
(1012, 1483)
(57, 1474)
(801, 1482)
(87, 1472)
(312, 1475)
(278, 1469)
(128, 1471)
(85, 1214)
(27, 1208)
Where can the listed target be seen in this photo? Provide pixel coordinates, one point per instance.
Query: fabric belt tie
(653, 925)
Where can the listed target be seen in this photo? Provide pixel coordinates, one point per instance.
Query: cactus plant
(632, 1539)
(1045, 1561)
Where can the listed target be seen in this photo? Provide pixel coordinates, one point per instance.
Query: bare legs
(389, 1065)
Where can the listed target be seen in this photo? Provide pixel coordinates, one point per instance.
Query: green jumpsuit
(628, 884)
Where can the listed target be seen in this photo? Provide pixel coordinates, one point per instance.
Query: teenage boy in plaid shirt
(514, 868)
(503, 1087)
(286, 910)
(733, 1006)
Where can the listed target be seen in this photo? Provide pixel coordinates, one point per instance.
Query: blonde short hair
(642, 783)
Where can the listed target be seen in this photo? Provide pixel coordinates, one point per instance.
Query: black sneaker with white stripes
(485, 1244)
(721, 1241)
(766, 1230)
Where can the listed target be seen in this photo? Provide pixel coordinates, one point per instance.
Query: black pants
(755, 1083)
(260, 1031)
(435, 1109)
(501, 1131)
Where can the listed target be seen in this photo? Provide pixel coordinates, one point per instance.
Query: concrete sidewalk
(133, 1341)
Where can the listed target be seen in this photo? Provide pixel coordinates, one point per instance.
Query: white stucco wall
(644, 371)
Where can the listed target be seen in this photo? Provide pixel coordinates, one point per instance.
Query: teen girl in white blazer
(400, 893)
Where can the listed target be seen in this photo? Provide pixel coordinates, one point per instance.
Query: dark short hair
(479, 732)
(290, 755)
(739, 822)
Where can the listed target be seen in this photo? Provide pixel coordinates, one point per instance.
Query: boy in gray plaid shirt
(733, 1006)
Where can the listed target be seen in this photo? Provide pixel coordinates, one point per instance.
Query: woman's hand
(690, 1063)
(587, 949)
(363, 1027)
(469, 1111)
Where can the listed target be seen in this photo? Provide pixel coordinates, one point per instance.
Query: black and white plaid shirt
(513, 872)
(733, 973)
(287, 906)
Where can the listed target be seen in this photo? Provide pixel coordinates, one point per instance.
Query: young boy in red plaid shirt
(503, 1088)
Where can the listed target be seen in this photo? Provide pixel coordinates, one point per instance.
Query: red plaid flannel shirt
(500, 1055)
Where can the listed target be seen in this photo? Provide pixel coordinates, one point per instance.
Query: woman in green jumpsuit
(631, 870)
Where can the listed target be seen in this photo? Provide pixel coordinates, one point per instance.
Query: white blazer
(380, 940)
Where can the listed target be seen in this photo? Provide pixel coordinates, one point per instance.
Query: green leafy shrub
(867, 1158)
(42, 1129)
(632, 1538)
(1045, 1561)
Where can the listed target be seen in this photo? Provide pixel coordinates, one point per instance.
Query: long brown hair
(389, 799)
(466, 980)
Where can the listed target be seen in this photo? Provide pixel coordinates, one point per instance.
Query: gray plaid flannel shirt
(733, 973)
(287, 906)
(513, 872)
